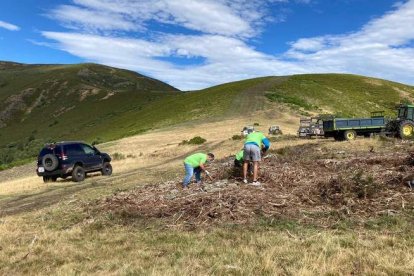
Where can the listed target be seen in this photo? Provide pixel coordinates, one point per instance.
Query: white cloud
(91, 20)
(206, 16)
(226, 59)
(382, 48)
(241, 18)
(9, 26)
(309, 44)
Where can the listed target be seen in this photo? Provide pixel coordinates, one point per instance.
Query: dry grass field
(52, 229)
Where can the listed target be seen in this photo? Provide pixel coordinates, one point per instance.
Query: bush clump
(118, 156)
(237, 137)
(364, 187)
(197, 140)
(340, 189)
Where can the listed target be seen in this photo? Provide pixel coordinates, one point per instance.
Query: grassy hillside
(343, 95)
(41, 103)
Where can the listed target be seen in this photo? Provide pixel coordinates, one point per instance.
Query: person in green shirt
(238, 159)
(194, 164)
(255, 143)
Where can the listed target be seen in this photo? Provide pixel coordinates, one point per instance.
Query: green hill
(42, 103)
(344, 95)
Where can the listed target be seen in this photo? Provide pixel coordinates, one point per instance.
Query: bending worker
(238, 159)
(194, 164)
(254, 144)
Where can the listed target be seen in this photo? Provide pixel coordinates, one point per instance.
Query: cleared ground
(58, 229)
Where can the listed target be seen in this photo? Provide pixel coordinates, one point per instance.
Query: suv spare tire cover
(50, 162)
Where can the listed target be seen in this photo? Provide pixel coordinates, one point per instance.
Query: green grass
(294, 101)
(344, 95)
(197, 140)
(66, 240)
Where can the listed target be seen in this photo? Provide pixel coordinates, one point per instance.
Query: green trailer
(349, 128)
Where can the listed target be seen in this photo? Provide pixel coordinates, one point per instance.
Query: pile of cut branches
(301, 183)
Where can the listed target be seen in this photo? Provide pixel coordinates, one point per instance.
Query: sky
(194, 44)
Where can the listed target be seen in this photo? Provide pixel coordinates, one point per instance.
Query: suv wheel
(78, 174)
(47, 179)
(106, 169)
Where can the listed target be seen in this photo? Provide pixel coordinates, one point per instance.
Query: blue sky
(200, 43)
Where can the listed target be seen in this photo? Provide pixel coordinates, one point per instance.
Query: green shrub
(197, 140)
(364, 187)
(237, 137)
(7, 156)
(118, 156)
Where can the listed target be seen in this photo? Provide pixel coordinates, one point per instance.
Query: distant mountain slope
(344, 95)
(41, 103)
(51, 91)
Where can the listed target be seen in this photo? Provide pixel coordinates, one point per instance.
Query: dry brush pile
(306, 183)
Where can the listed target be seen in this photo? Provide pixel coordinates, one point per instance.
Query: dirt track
(65, 189)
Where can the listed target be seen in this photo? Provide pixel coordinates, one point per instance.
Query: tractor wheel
(406, 130)
(350, 135)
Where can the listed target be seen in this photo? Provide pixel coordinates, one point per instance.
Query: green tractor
(403, 125)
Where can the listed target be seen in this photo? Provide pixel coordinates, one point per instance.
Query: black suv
(74, 159)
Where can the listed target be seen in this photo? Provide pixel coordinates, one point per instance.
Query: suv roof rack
(69, 142)
(63, 143)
